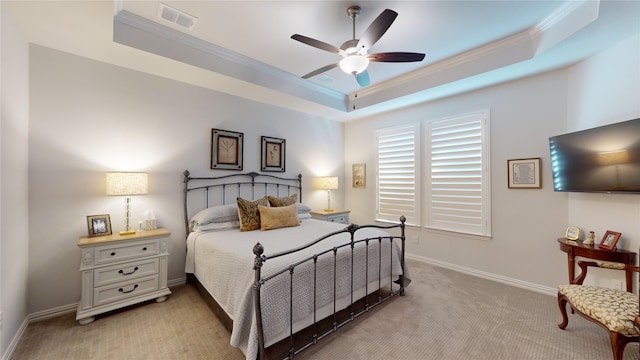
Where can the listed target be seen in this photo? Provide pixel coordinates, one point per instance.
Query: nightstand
(122, 270)
(339, 216)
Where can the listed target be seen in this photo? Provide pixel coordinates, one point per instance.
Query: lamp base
(127, 232)
(328, 210)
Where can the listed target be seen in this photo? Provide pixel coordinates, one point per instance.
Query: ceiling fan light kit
(355, 52)
(354, 64)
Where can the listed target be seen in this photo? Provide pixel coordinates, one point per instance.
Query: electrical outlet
(616, 284)
(0, 319)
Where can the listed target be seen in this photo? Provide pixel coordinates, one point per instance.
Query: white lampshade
(354, 64)
(329, 183)
(127, 183)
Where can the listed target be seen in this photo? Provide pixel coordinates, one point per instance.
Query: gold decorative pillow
(283, 201)
(278, 217)
(249, 214)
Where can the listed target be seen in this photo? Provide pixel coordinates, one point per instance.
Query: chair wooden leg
(562, 303)
(618, 343)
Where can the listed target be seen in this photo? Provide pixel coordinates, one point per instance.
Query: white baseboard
(13, 345)
(177, 282)
(485, 275)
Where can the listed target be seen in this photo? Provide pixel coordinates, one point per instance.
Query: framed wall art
(273, 154)
(524, 173)
(226, 149)
(99, 225)
(359, 176)
(609, 240)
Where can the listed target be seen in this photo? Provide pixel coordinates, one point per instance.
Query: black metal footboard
(359, 290)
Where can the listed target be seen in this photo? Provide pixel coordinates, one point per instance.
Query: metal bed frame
(297, 342)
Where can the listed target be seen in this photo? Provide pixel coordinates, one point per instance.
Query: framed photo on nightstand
(99, 225)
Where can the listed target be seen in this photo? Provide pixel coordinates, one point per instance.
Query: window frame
(483, 225)
(413, 216)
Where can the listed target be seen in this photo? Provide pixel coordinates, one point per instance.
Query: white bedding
(223, 263)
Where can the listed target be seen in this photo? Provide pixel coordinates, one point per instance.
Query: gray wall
(88, 118)
(14, 229)
(525, 222)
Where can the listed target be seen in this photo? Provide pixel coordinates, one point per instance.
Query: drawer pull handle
(129, 273)
(113, 253)
(125, 292)
(144, 248)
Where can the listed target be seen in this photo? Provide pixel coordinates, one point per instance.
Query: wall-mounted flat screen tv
(603, 159)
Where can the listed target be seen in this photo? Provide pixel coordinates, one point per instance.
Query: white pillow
(216, 214)
(302, 208)
(305, 215)
(218, 226)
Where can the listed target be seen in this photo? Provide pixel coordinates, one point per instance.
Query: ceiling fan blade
(377, 28)
(319, 71)
(396, 57)
(363, 78)
(318, 44)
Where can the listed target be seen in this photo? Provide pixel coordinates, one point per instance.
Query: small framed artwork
(572, 233)
(359, 176)
(99, 225)
(226, 149)
(524, 173)
(273, 154)
(609, 240)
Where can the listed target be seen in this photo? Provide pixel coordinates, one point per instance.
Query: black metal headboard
(220, 190)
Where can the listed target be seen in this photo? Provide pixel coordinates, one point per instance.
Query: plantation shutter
(397, 174)
(458, 196)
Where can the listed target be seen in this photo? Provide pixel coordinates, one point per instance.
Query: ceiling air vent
(176, 16)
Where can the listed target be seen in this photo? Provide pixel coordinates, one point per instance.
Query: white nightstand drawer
(338, 218)
(126, 271)
(130, 250)
(124, 290)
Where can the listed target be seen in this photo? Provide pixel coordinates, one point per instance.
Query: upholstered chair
(616, 311)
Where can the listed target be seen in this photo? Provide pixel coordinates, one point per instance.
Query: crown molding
(143, 34)
(521, 46)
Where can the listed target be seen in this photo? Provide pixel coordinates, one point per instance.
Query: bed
(282, 287)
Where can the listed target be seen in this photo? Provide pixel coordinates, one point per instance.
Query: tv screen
(603, 159)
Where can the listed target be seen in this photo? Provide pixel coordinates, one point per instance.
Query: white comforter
(223, 262)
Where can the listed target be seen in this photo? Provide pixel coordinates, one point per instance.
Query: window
(457, 166)
(397, 174)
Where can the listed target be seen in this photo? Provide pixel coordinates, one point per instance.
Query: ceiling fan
(355, 52)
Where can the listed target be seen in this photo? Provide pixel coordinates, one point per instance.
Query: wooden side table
(577, 248)
(339, 216)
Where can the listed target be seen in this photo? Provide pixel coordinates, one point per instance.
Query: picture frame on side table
(572, 233)
(273, 154)
(99, 225)
(524, 173)
(609, 240)
(226, 149)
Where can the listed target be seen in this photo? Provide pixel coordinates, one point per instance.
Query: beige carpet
(445, 315)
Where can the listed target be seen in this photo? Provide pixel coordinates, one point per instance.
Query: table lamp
(329, 183)
(127, 184)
